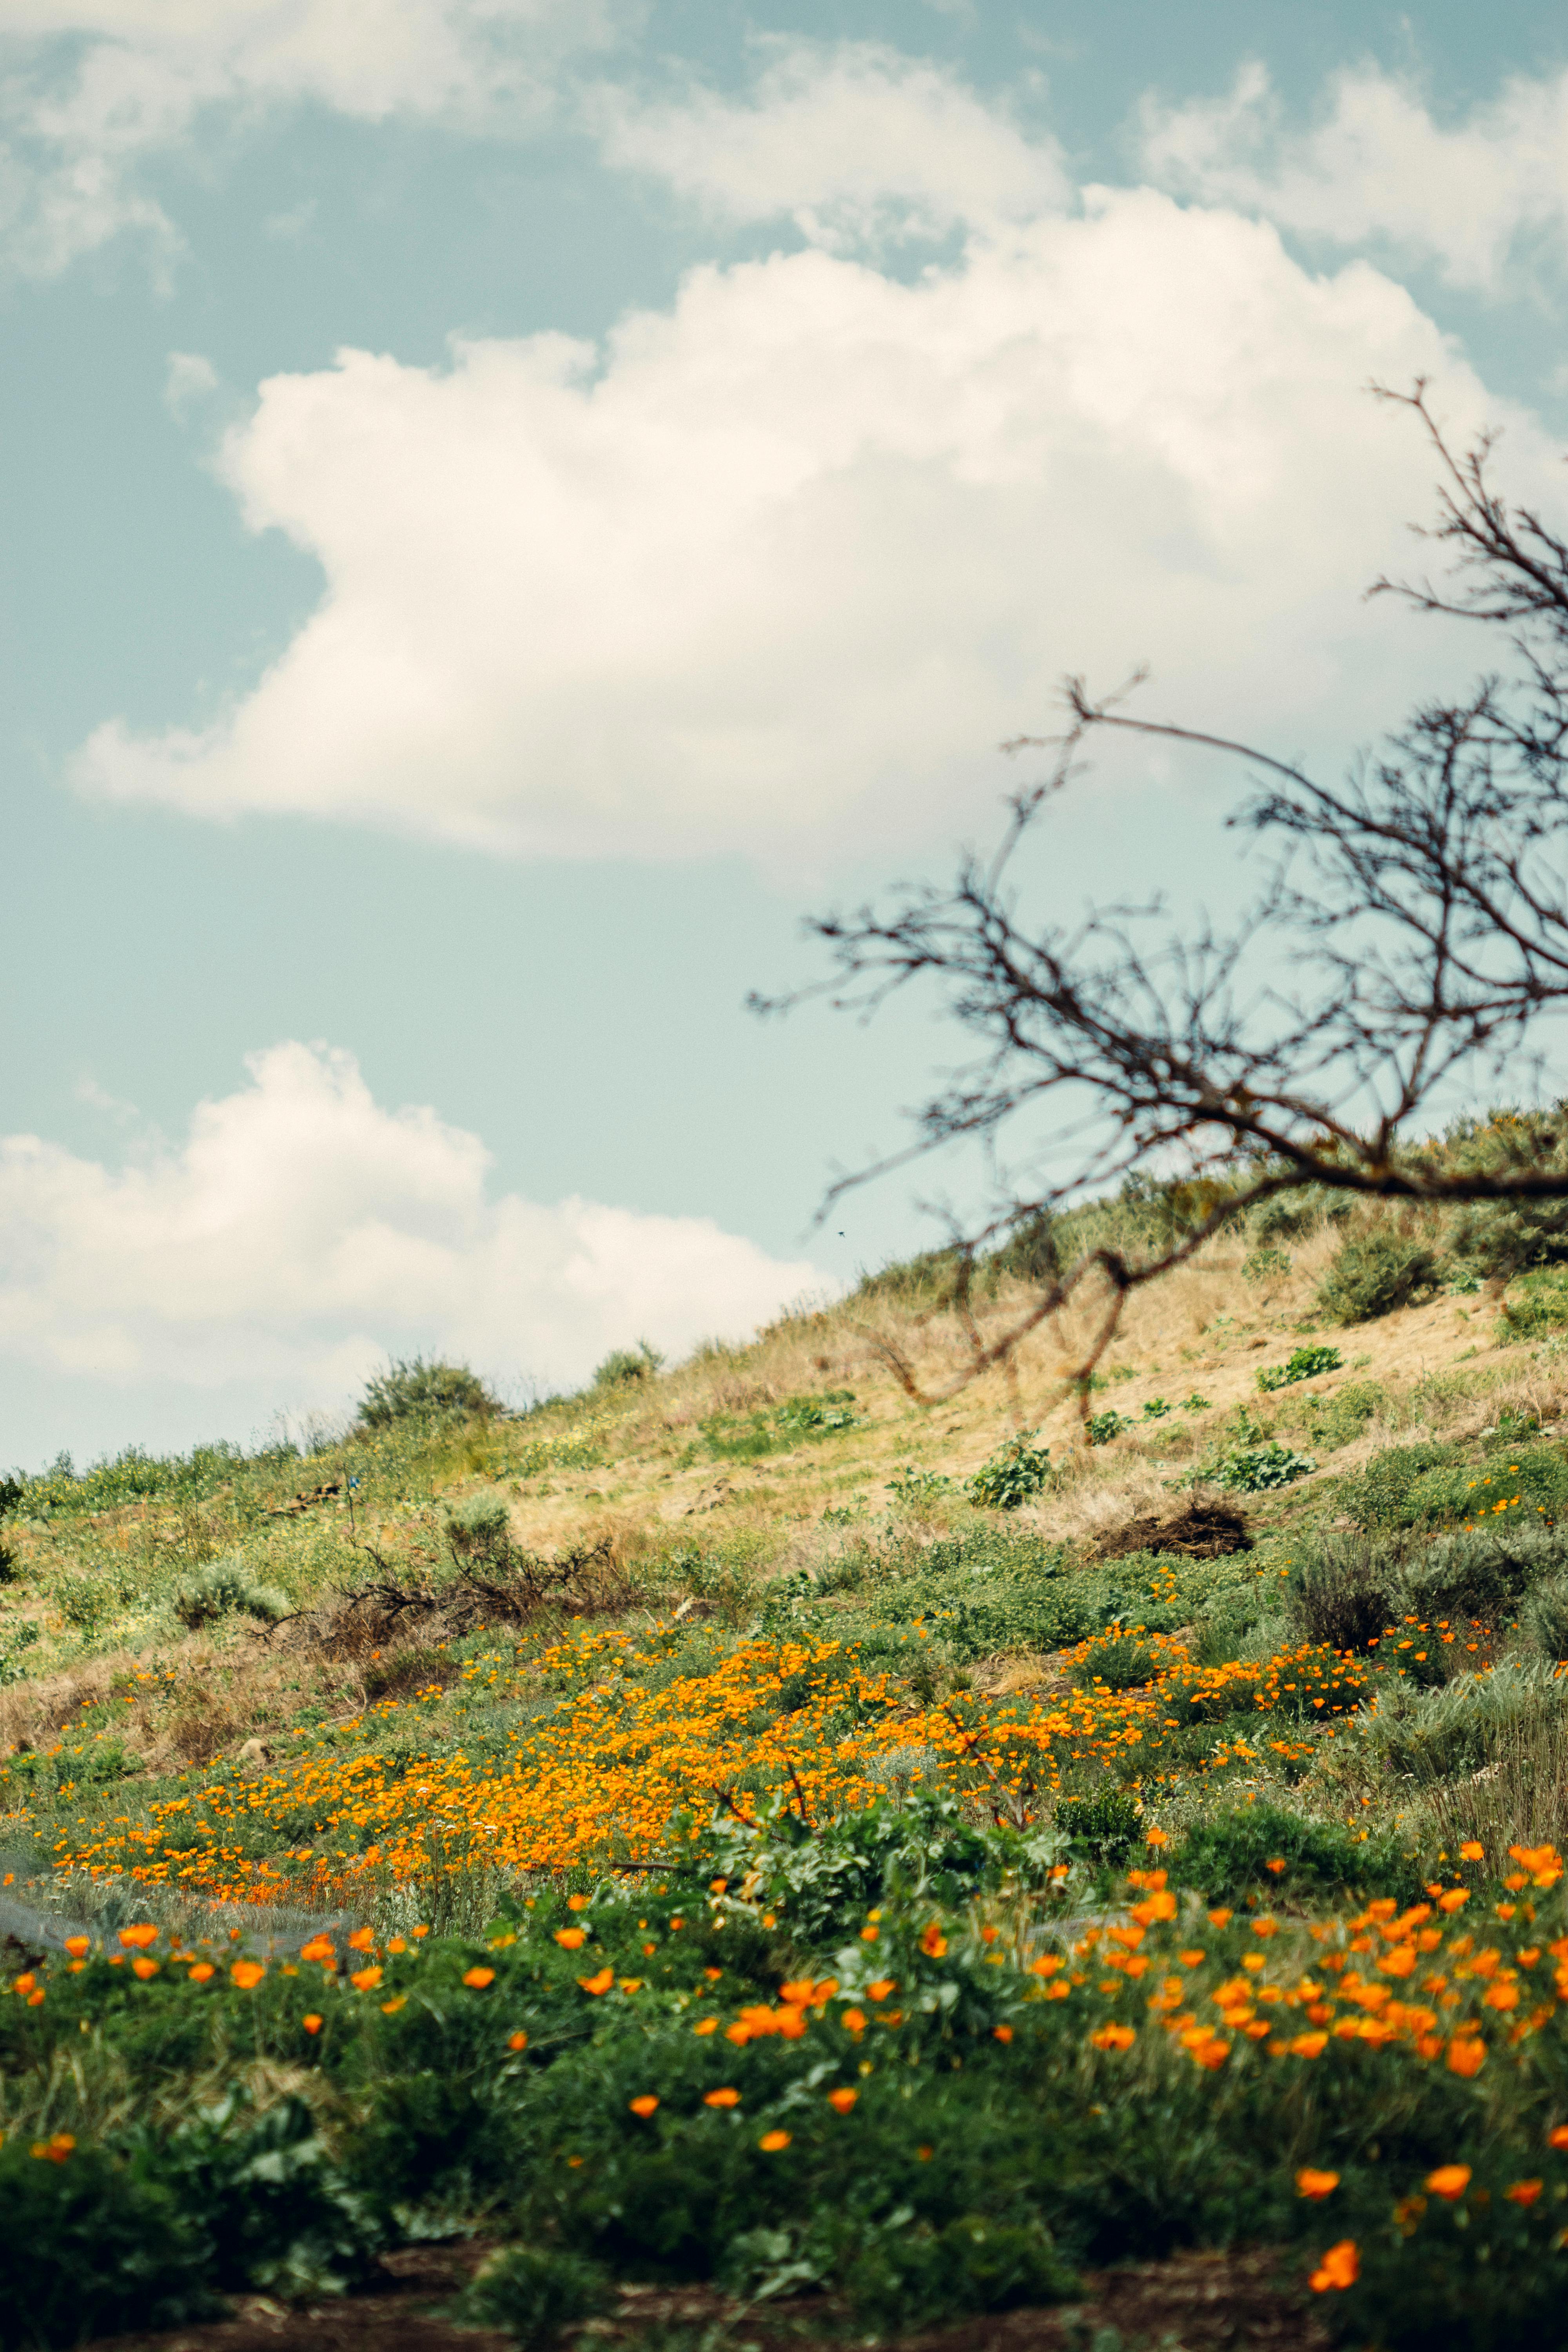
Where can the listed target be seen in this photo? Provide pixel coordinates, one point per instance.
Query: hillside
(518, 1755)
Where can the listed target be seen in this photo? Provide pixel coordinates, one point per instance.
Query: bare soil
(1235, 2302)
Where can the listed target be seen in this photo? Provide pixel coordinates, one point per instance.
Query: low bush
(1344, 1592)
(1483, 1572)
(1536, 1305)
(1385, 1494)
(534, 2293)
(415, 1388)
(1101, 1427)
(1373, 1273)
(1544, 1618)
(1119, 1662)
(1264, 1849)
(227, 1588)
(1265, 1266)
(1104, 1826)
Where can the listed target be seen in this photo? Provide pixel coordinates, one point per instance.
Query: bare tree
(1417, 910)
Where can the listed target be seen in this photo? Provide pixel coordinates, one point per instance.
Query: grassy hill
(764, 1637)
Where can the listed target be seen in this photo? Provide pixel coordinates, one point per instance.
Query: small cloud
(190, 379)
(288, 225)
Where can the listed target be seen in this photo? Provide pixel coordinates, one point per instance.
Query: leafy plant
(1155, 1409)
(1015, 1475)
(1253, 1469)
(1302, 1364)
(1345, 1592)
(910, 1484)
(1194, 1402)
(1373, 1273)
(1101, 1427)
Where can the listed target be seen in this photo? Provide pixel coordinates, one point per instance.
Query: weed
(1303, 1364)
(1254, 1469)
(1101, 1427)
(1015, 1475)
(624, 1366)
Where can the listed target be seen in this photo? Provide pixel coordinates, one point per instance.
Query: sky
(511, 506)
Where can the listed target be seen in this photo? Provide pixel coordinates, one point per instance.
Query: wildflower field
(711, 1829)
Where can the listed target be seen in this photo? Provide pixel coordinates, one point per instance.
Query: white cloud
(301, 1230)
(772, 571)
(189, 378)
(856, 145)
(91, 90)
(1376, 164)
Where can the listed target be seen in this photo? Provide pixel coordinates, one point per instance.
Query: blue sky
(510, 504)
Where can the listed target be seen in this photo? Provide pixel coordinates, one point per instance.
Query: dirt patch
(1247, 2302)
(1203, 1531)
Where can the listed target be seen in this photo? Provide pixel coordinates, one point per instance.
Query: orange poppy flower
(771, 2142)
(1339, 2268)
(1312, 2183)
(1003, 2032)
(645, 2105)
(202, 1971)
(1523, 2193)
(78, 1946)
(725, 2098)
(933, 1943)
(517, 2042)
(882, 1988)
(1467, 2055)
(477, 1979)
(594, 1984)
(1449, 2180)
(312, 2024)
(842, 2101)
(143, 1967)
(569, 1939)
(247, 1974)
(1113, 2037)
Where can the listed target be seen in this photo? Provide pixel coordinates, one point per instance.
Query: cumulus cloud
(301, 1230)
(857, 145)
(90, 91)
(1376, 164)
(771, 569)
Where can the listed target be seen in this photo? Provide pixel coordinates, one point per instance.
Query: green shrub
(1344, 1592)
(91, 2243)
(1265, 1266)
(1015, 1475)
(1483, 1572)
(1120, 1662)
(1236, 1855)
(918, 2273)
(1254, 1469)
(623, 1367)
(1101, 1427)
(1304, 1364)
(1104, 1826)
(1373, 1273)
(534, 2293)
(416, 1389)
(1458, 1728)
(1544, 1619)
(227, 1588)
(1382, 1495)
(1536, 1305)
(1340, 1419)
